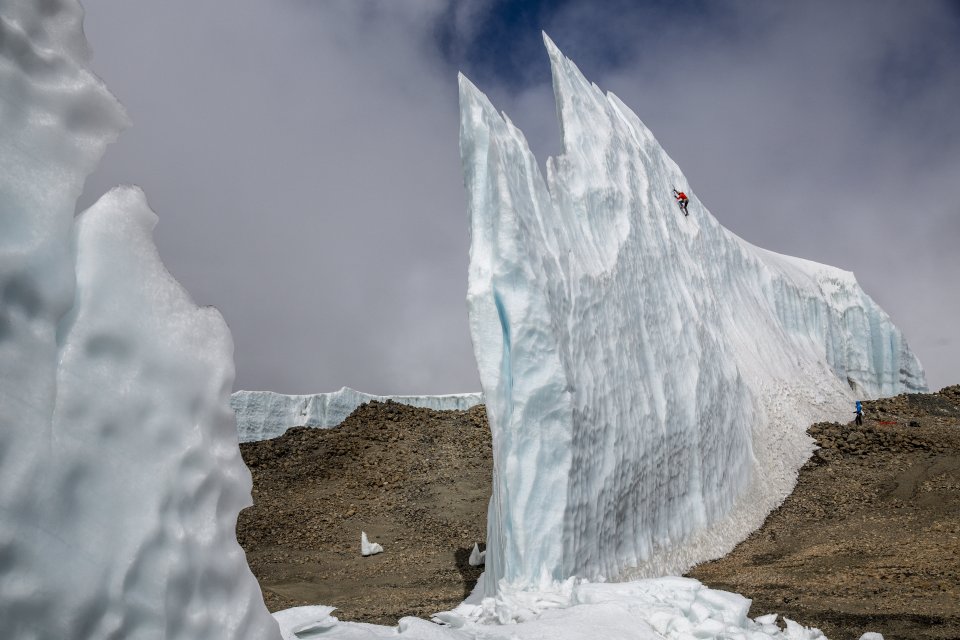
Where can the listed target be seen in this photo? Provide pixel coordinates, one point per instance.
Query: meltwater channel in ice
(648, 376)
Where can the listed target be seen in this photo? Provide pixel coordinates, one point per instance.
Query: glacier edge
(262, 415)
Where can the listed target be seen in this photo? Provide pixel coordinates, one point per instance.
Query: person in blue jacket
(859, 413)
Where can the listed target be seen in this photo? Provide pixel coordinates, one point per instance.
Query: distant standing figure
(859, 413)
(682, 200)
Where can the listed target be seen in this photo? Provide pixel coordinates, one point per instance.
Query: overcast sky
(302, 155)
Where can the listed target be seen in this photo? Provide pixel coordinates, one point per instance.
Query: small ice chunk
(709, 628)
(871, 635)
(305, 620)
(368, 548)
(417, 629)
(796, 631)
(730, 607)
(698, 612)
(477, 557)
(449, 618)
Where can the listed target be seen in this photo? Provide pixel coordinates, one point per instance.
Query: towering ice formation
(648, 376)
(120, 475)
(264, 414)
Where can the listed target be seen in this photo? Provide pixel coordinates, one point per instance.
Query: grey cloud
(303, 161)
(302, 157)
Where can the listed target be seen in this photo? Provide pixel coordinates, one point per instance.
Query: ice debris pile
(673, 608)
(264, 414)
(120, 474)
(648, 376)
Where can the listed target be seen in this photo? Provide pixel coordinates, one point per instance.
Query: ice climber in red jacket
(682, 200)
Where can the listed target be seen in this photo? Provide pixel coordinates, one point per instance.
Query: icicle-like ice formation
(648, 376)
(120, 474)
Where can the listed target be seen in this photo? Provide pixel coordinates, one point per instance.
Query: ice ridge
(262, 415)
(648, 376)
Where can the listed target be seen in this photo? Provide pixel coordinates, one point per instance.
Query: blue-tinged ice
(648, 376)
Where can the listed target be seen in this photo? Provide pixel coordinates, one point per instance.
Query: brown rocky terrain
(416, 481)
(869, 539)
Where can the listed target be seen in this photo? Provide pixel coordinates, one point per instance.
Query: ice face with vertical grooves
(648, 376)
(120, 473)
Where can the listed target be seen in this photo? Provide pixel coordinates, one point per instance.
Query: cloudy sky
(302, 155)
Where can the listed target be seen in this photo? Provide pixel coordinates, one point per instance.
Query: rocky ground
(416, 481)
(869, 540)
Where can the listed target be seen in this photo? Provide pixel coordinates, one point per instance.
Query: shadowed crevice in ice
(648, 376)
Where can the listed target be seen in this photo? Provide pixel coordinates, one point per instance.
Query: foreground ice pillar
(120, 473)
(55, 120)
(648, 376)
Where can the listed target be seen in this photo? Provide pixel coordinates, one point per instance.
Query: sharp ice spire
(648, 376)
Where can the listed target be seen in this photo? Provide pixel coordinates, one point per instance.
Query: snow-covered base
(640, 610)
(648, 377)
(264, 414)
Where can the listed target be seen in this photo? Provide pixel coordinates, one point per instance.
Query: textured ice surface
(264, 414)
(648, 376)
(674, 608)
(120, 475)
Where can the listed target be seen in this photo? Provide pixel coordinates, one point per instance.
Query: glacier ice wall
(264, 414)
(648, 376)
(120, 474)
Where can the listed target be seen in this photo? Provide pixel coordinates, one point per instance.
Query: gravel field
(415, 480)
(869, 539)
